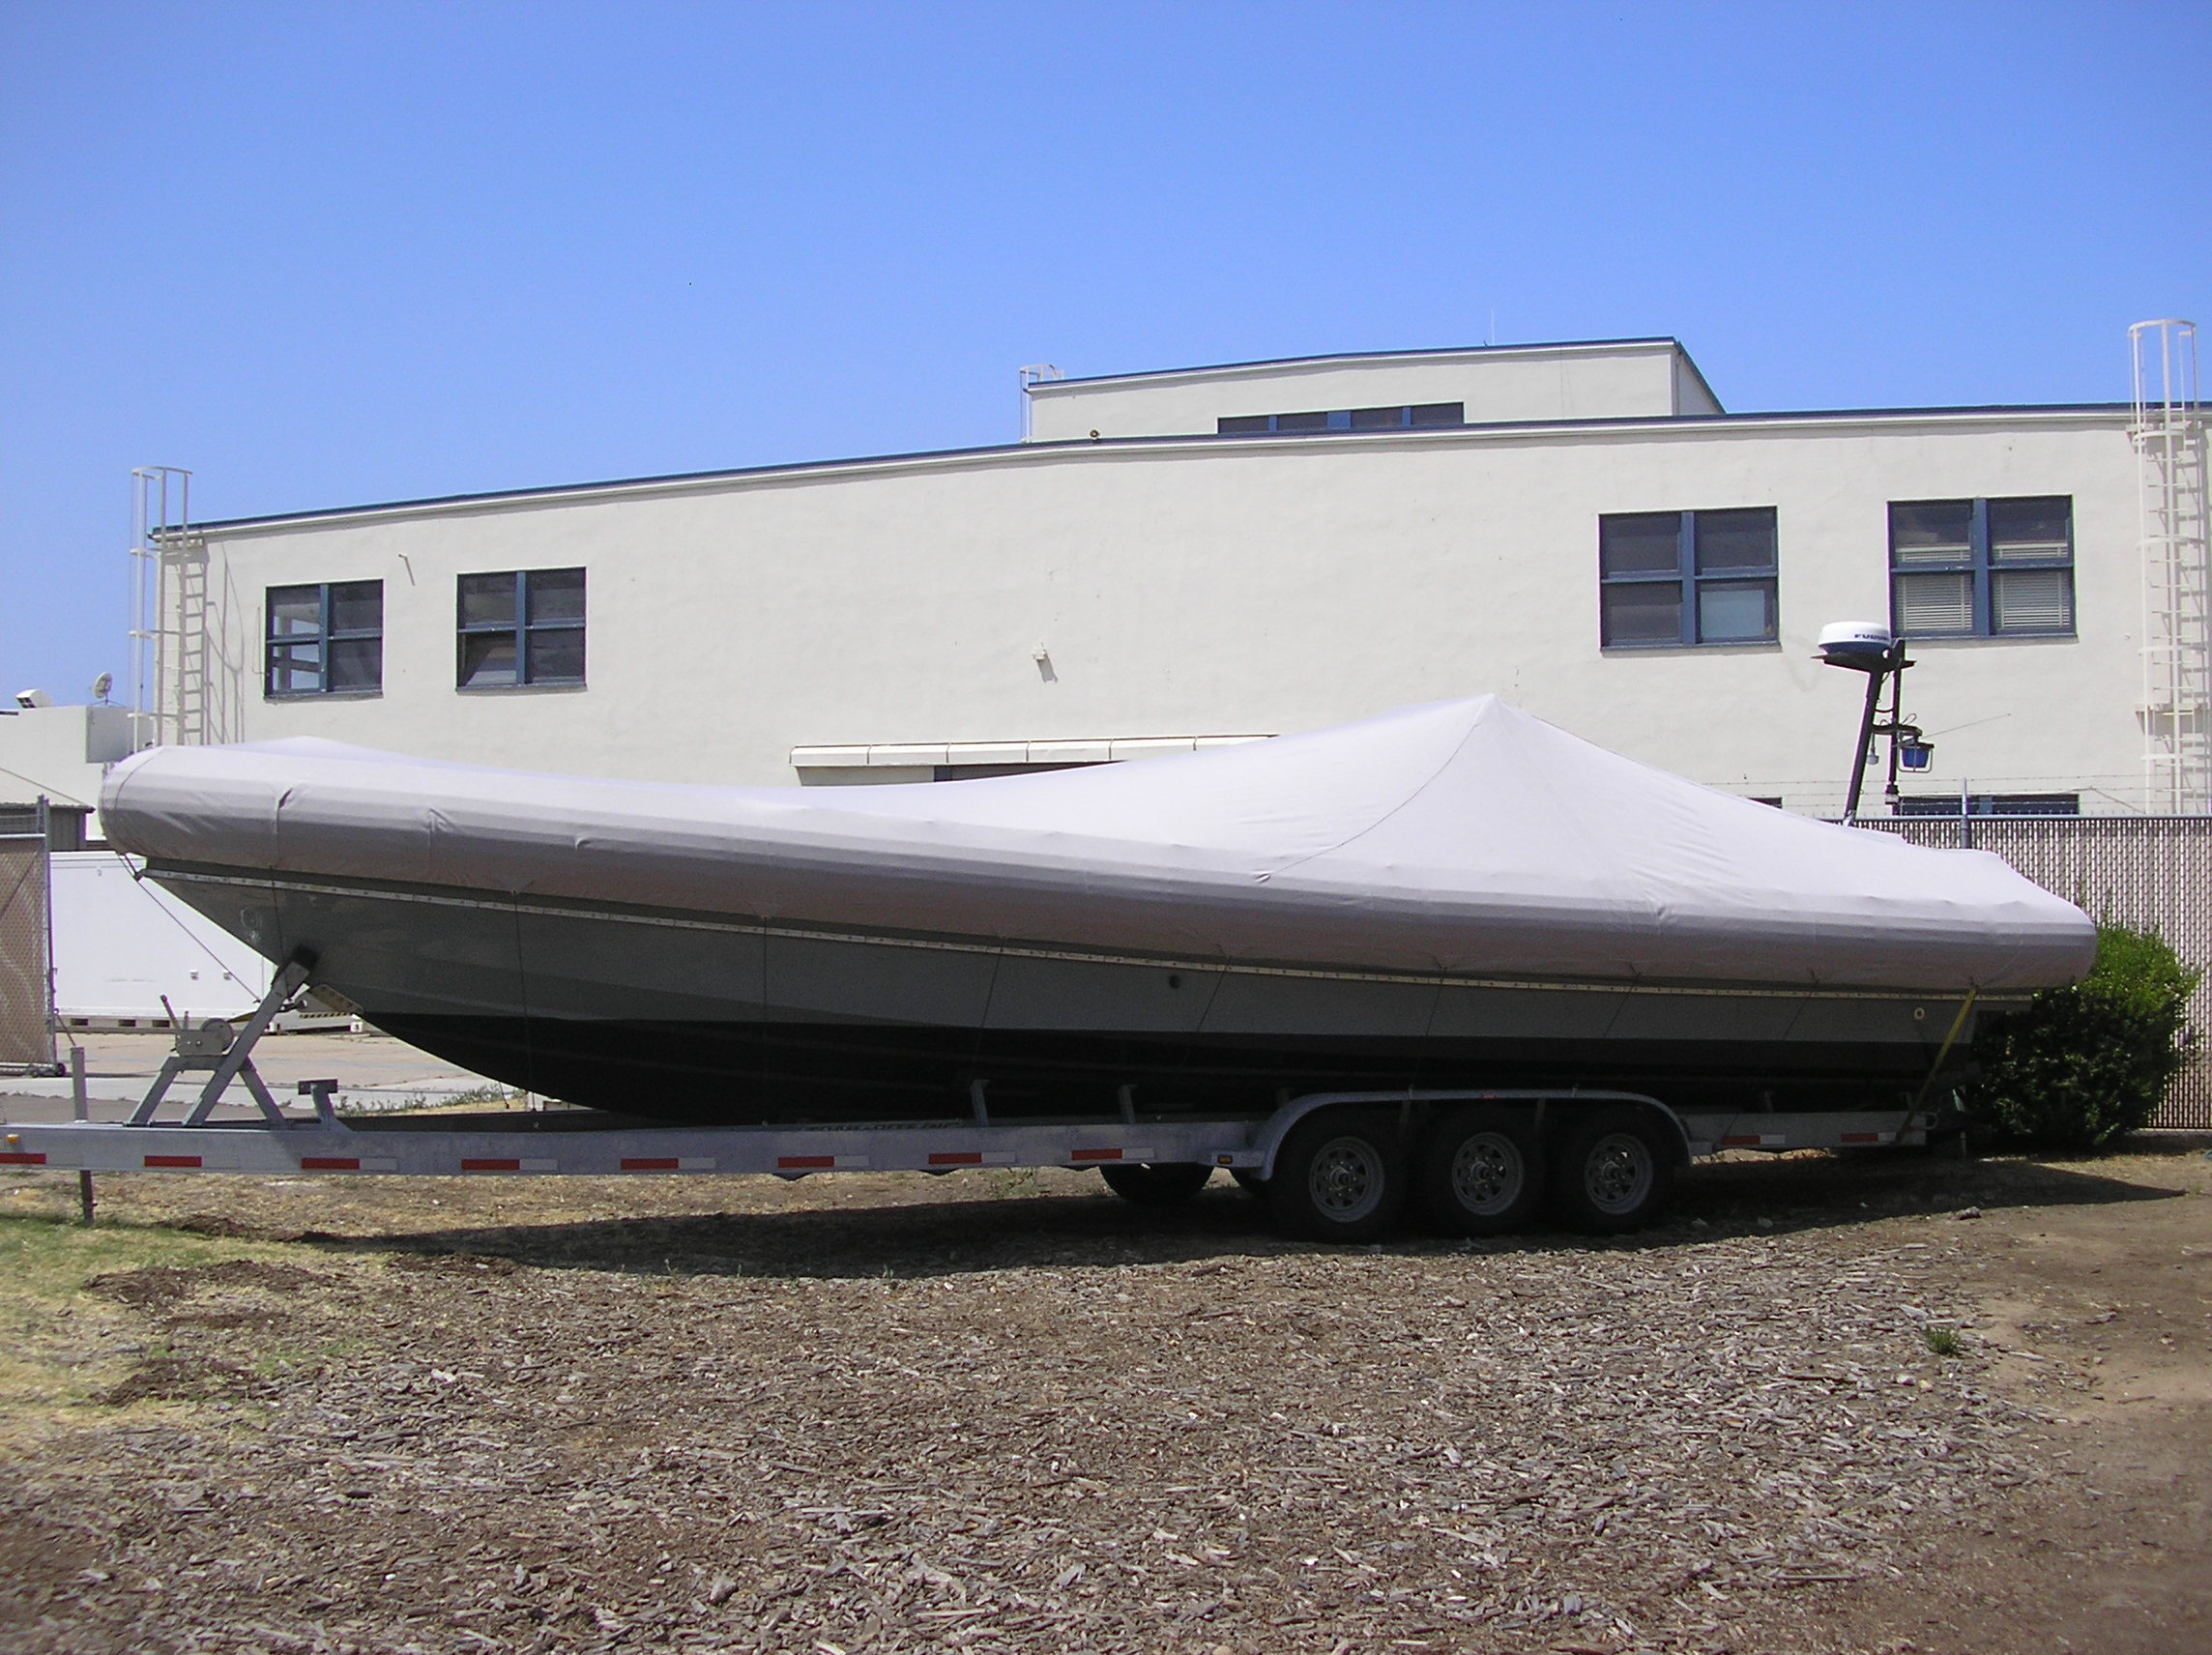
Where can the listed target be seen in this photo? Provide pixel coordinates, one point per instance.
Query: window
(1992, 805)
(1414, 415)
(325, 640)
(520, 627)
(1982, 569)
(1687, 577)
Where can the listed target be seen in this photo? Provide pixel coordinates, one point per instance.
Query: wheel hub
(1346, 1180)
(1487, 1172)
(1617, 1175)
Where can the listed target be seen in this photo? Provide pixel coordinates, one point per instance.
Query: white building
(1219, 553)
(60, 754)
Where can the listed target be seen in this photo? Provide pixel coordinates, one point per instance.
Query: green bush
(2081, 1066)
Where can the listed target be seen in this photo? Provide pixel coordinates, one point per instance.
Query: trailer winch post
(239, 1059)
(229, 1055)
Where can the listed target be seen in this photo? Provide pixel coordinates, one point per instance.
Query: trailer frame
(592, 1144)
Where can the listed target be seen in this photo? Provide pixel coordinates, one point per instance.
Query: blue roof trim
(1418, 433)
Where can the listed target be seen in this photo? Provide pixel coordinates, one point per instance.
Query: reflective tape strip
(1868, 1137)
(172, 1160)
(504, 1164)
(668, 1163)
(821, 1163)
(1752, 1140)
(330, 1163)
(1125, 1153)
(22, 1158)
(970, 1158)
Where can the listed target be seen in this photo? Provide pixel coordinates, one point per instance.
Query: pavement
(374, 1071)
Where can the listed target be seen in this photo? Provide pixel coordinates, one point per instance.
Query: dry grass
(64, 1344)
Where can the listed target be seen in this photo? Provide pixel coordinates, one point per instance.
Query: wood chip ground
(705, 1415)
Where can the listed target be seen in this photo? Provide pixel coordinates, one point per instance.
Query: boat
(1449, 896)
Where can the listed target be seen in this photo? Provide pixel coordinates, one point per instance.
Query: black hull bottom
(791, 1073)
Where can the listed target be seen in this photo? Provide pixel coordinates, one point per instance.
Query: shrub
(2081, 1066)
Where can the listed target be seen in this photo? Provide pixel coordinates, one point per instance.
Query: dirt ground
(1868, 1405)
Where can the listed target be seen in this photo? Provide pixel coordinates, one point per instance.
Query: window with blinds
(1982, 569)
(1686, 578)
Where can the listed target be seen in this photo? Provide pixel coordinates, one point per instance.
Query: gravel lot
(999, 1412)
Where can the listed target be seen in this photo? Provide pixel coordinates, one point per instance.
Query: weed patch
(73, 1303)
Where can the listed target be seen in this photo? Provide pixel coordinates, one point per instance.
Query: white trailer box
(122, 945)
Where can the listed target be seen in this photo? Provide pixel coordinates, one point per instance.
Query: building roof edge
(1032, 451)
(1049, 387)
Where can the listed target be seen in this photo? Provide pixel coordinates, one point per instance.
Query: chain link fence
(26, 984)
(2151, 872)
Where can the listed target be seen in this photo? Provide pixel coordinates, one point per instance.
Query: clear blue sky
(326, 254)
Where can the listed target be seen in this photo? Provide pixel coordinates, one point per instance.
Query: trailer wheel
(1614, 1173)
(1157, 1184)
(1339, 1176)
(1481, 1172)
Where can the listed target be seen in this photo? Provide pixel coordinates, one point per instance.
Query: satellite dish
(102, 685)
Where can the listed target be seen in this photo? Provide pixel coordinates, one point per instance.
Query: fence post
(83, 1112)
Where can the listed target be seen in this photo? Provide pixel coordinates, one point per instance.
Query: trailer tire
(1340, 1175)
(1615, 1172)
(1481, 1171)
(1157, 1184)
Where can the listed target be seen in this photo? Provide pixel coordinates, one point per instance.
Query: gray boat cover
(1464, 837)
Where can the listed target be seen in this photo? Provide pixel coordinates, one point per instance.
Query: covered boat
(1448, 895)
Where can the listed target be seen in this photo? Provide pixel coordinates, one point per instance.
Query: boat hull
(711, 1018)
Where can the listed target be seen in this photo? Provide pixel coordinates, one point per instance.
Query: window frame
(1316, 421)
(323, 637)
(1981, 568)
(521, 629)
(1944, 806)
(1691, 582)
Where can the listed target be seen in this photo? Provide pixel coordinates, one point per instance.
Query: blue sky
(325, 254)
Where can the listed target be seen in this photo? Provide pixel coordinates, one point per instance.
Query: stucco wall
(1215, 587)
(1634, 380)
